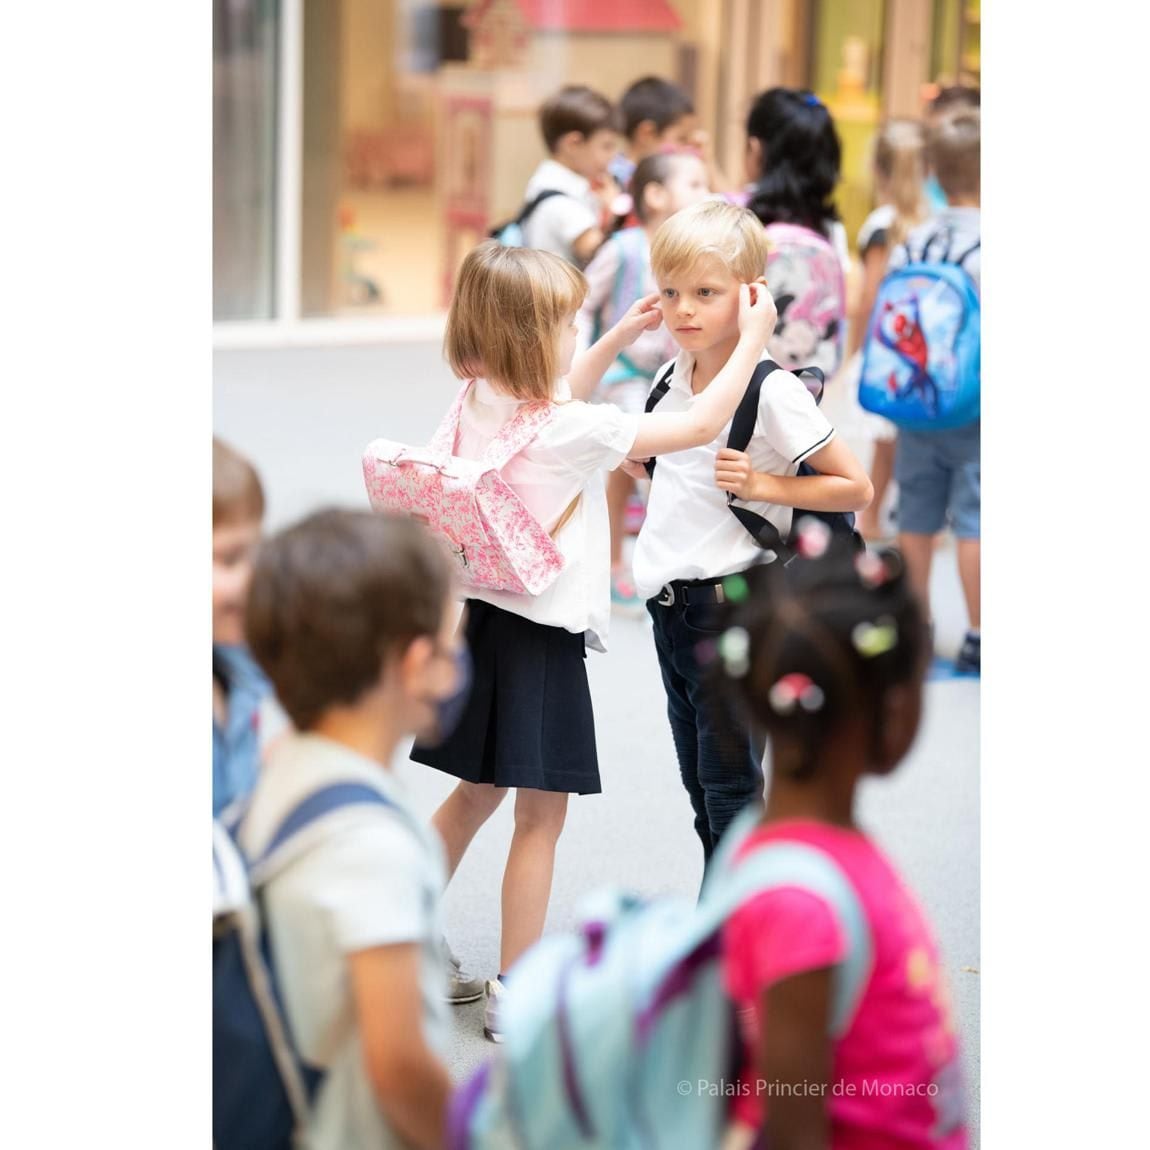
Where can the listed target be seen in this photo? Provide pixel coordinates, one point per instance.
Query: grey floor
(304, 416)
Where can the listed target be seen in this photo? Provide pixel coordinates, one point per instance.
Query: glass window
(243, 158)
(421, 128)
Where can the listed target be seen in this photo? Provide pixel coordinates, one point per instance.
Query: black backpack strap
(969, 251)
(761, 530)
(531, 205)
(657, 392)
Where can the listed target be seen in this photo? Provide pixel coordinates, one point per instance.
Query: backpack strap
(778, 865)
(969, 251)
(517, 433)
(283, 846)
(662, 386)
(528, 208)
(443, 441)
(761, 530)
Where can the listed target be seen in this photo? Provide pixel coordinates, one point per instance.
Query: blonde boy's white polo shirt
(689, 531)
(559, 221)
(374, 878)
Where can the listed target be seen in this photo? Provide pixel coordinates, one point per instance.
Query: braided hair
(818, 643)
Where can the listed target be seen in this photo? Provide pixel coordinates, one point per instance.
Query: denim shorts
(939, 477)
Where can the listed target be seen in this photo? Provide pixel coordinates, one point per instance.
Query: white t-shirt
(689, 532)
(567, 457)
(961, 228)
(560, 220)
(374, 878)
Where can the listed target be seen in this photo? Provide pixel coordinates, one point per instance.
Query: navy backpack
(761, 530)
(261, 1089)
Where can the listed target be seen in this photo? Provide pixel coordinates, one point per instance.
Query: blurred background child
(829, 658)
(238, 686)
(899, 175)
(351, 616)
(617, 277)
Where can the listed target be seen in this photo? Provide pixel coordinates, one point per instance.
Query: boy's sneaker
(461, 987)
(969, 661)
(491, 1029)
(623, 594)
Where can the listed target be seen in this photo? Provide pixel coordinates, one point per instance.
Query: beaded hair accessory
(735, 651)
(795, 690)
(873, 639)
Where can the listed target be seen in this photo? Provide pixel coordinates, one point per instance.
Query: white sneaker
(491, 1029)
(461, 986)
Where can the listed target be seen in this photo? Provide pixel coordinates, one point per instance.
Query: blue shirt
(236, 746)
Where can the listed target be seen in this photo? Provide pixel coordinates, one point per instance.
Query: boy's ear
(570, 140)
(410, 661)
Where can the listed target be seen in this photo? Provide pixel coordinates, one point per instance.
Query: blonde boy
(690, 540)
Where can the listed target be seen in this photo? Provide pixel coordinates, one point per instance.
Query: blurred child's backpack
(805, 277)
(496, 542)
(510, 232)
(612, 1035)
(922, 357)
(633, 253)
(762, 530)
(261, 1088)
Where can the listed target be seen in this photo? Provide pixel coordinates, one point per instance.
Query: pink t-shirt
(895, 1080)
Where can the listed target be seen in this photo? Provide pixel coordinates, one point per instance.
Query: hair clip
(813, 537)
(872, 639)
(812, 101)
(871, 569)
(735, 589)
(795, 690)
(735, 651)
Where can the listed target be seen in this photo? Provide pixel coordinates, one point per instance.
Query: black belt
(691, 592)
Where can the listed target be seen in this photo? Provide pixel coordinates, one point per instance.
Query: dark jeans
(720, 760)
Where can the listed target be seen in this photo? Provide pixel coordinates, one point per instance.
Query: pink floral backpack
(498, 544)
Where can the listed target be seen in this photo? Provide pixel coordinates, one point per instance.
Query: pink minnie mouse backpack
(497, 543)
(805, 279)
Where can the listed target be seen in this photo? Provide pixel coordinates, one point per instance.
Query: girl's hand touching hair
(643, 315)
(757, 314)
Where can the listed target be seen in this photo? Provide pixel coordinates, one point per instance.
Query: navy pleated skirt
(528, 720)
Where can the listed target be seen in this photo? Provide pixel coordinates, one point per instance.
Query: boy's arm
(411, 1085)
(663, 432)
(841, 485)
(796, 1052)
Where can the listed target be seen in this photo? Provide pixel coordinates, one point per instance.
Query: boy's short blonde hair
(711, 228)
(506, 314)
(237, 494)
(954, 149)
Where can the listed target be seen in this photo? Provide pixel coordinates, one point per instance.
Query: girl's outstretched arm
(663, 432)
(841, 485)
(591, 365)
(795, 1061)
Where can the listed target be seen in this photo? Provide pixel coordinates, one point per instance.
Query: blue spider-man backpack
(921, 364)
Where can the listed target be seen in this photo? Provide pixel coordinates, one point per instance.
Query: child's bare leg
(917, 553)
(970, 573)
(881, 473)
(619, 488)
(539, 817)
(461, 814)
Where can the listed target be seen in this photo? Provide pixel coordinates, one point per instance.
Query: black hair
(654, 99)
(654, 169)
(819, 642)
(953, 97)
(801, 159)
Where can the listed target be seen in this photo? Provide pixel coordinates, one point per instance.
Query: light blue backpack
(621, 1035)
(922, 365)
(510, 232)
